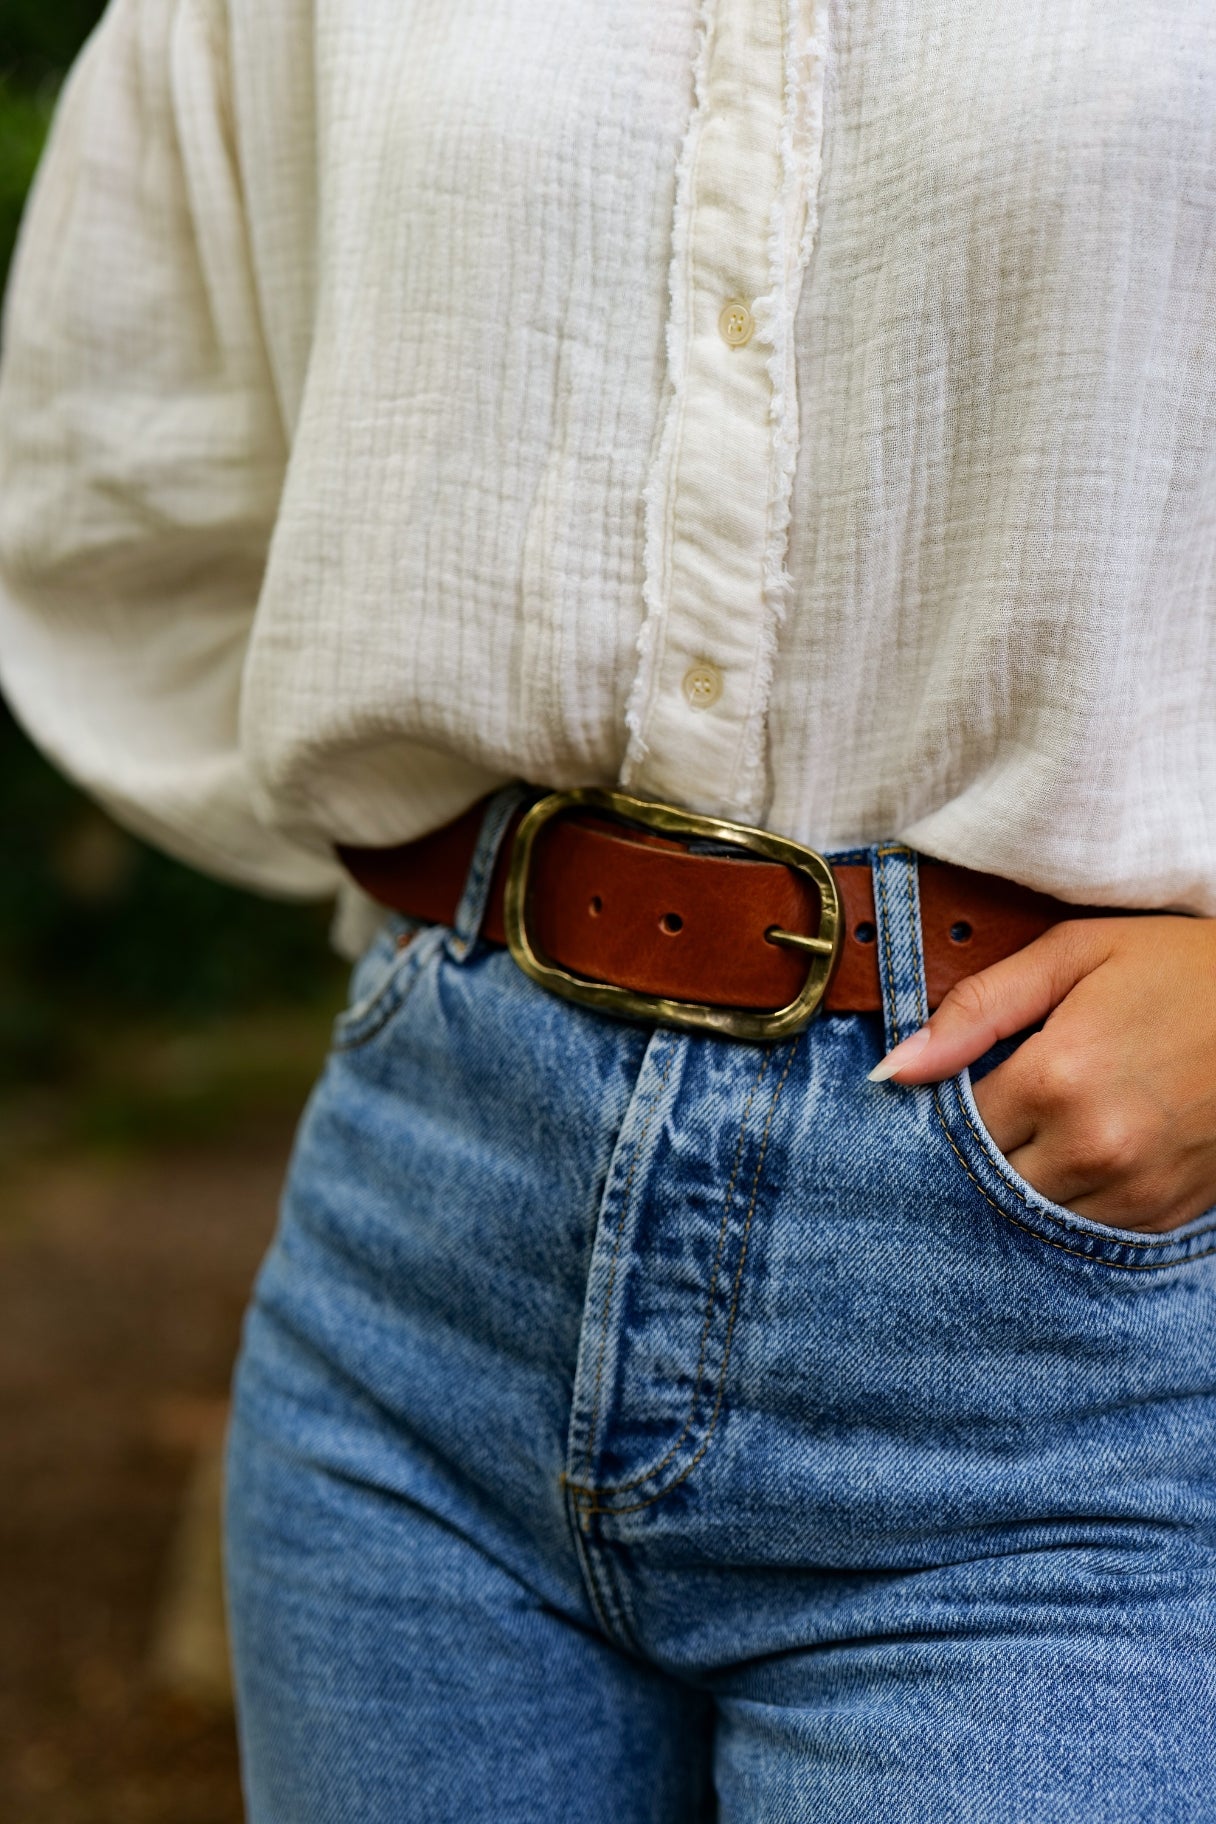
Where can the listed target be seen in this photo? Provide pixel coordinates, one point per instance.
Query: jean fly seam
(621, 1488)
(605, 1596)
(591, 1507)
(626, 1199)
(590, 1569)
(614, 1585)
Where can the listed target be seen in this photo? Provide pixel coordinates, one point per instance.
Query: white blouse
(801, 410)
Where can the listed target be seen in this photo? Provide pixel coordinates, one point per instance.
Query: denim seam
(1149, 1241)
(605, 1595)
(614, 1585)
(622, 1488)
(888, 985)
(918, 947)
(1094, 1256)
(1000, 1167)
(592, 1574)
(464, 934)
(626, 1200)
(592, 1507)
(403, 972)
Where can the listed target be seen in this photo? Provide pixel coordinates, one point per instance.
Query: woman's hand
(1111, 1108)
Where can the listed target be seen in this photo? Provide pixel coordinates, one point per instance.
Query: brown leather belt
(611, 903)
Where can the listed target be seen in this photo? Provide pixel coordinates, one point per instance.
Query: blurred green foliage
(99, 935)
(40, 37)
(24, 115)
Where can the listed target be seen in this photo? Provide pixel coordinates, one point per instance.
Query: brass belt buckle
(669, 820)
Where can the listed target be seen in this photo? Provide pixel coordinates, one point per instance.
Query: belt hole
(596, 906)
(865, 932)
(671, 922)
(960, 932)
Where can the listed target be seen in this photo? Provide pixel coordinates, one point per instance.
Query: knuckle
(972, 999)
(1070, 936)
(1057, 1077)
(1067, 951)
(1112, 1143)
(1159, 1203)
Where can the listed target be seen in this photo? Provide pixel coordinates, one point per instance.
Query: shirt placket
(718, 498)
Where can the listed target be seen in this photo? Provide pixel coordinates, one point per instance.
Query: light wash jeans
(636, 1426)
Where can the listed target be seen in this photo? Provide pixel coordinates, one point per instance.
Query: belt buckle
(669, 820)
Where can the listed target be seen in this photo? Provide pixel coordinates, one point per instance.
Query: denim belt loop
(901, 957)
(466, 926)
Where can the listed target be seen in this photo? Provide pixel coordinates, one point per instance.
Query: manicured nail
(899, 1055)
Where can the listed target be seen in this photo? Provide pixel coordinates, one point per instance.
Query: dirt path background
(122, 1281)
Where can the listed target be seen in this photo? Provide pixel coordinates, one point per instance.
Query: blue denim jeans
(638, 1426)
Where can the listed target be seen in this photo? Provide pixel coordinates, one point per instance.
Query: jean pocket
(996, 1181)
(382, 978)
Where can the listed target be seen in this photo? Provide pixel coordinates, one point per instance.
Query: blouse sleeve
(142, 452)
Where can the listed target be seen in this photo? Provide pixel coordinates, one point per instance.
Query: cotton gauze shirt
(800, 412)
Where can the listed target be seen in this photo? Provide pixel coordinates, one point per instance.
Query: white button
(736, 323)
(703, 685)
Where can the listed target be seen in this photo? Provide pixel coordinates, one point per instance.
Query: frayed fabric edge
(793, 230)
(656, 498)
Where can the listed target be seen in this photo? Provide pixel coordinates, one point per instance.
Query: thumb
(996, 1002)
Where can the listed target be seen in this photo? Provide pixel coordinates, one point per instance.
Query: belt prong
(793, 940)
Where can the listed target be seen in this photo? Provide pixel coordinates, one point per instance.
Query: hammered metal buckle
(691, 1016)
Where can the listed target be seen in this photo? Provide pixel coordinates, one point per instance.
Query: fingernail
(899, 1056)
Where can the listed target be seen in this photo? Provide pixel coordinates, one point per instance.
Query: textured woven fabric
(370, 432)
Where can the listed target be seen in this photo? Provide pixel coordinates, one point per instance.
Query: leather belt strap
(648, 914)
